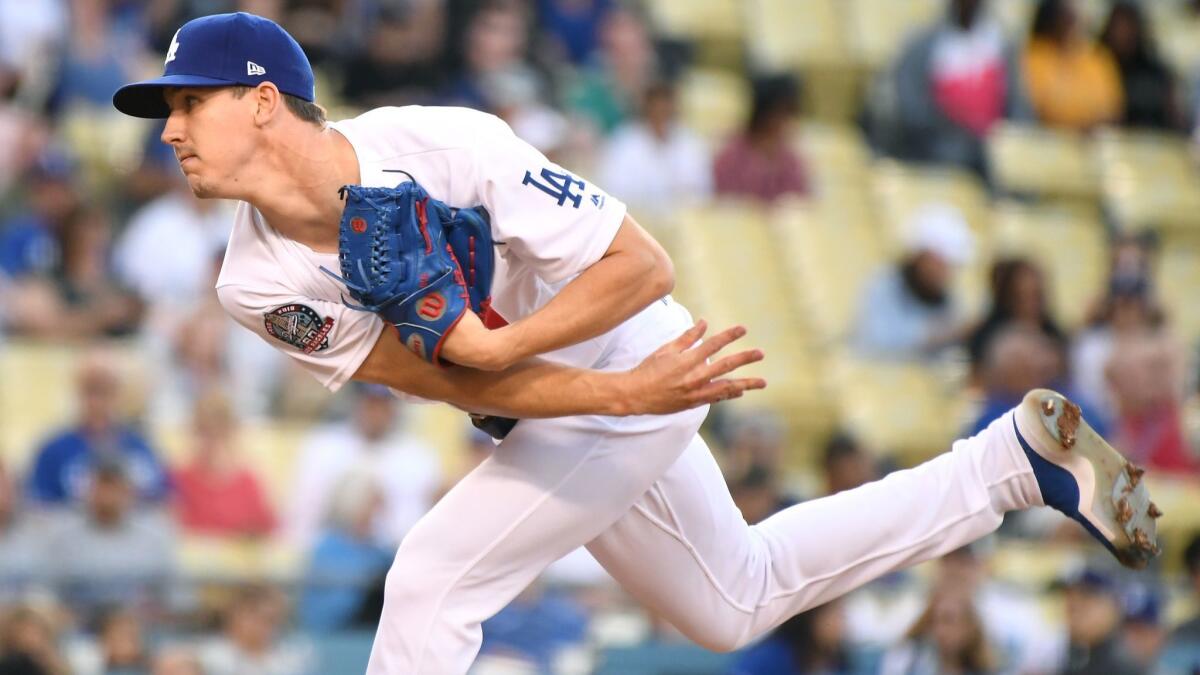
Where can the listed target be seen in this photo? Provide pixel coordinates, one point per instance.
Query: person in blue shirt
(62, 466)
(29, 243)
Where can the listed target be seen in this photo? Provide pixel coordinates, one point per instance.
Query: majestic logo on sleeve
(299, 326)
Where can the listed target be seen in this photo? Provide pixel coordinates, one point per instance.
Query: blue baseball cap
(223, 50)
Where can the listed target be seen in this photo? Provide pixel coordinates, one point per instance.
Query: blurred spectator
(1073, 81)
(176, 661)
(761, 162)
(810, 643)
(908, 311)
(847, 464)
(165, 253)
(119, 650)
(655, 162)
(346, 561)
(400, 60)
(611, 87)
(1128, 309)
(572, 27)
(1146, 374)
(948, 637)
(1151, 98)
(1093, 612)
(1018, 298)
(31, 34)
(756, 493)
(495, 45)
(90, 300)
(1022, 639)
(110, 553)
(29, 241)
(29, 643)
(100, 56)
(1143, 632)
(1182, 651)
(752, 439)
(216, 493)
(953, 82)
(20, 542)
(1019, 359)
(535, 627)
(371, 442)
(63, 464)
(251, 642)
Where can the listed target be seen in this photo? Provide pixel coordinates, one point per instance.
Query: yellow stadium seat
(714, 103)
(829, 253)
(792, 34)
(1176, 30)
(1033, 160)
(837, 157)
(1069, 244)
(1178, 278)
(1015, 15)
(697, 19)
(909, 410)
(878, 29)
(1149, 180)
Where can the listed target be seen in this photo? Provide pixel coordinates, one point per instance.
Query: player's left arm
(632, 273)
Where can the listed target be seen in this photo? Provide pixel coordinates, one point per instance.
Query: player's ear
(268, 103)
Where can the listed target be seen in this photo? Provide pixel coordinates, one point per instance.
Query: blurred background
(935, 205)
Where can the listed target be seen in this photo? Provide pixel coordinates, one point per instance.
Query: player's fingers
(730, 363)
(718, 342)
(722, 390)
(690, 336)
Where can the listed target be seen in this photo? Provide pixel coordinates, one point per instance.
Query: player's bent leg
(549, 488)
(685, 551)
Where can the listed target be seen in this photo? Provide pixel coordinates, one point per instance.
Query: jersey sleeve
(328, 339)
(551, 219)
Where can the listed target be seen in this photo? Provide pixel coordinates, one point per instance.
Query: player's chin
(201, 188)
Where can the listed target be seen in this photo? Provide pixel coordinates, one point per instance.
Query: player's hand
(680, 375)
(471, 344)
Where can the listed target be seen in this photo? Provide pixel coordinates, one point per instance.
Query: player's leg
(685, 551)
(549, 488)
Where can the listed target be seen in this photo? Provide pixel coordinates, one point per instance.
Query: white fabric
(664, 526)
(405, 470)
(464, 158)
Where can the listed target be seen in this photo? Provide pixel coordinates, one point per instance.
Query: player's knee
(718, 633)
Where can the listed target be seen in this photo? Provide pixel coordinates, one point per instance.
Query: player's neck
(296, 189)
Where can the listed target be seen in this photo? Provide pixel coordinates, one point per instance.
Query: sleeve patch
(299, 326)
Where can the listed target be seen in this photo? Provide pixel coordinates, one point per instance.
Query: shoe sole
(1113, 498)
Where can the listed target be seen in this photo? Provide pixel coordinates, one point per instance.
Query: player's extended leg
(685, 551)
(552, 486)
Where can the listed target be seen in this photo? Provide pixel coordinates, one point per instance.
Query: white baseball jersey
(643, 493)
(549, 225)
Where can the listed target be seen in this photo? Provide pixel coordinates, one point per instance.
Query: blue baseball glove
(469, 233)
(396, 262)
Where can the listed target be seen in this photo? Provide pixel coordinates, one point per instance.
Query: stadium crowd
(142, 532)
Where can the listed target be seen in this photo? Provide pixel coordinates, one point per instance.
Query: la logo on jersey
(253, 68)
(173, 48)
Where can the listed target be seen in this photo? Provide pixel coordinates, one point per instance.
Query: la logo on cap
(174, 48)
(253, 68)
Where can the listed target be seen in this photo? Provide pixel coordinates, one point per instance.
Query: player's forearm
(532, 388)
(635, 273)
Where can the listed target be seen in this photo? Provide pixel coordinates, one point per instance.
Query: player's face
(209, 129)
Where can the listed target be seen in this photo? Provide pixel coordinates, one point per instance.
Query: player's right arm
(676, 377)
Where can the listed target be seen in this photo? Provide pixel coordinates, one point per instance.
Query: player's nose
(173, 131)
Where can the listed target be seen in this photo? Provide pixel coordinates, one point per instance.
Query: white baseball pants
(646, 497)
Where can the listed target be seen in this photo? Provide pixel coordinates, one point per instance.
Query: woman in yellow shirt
(1073, 81)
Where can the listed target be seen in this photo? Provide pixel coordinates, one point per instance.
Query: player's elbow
(660, 273)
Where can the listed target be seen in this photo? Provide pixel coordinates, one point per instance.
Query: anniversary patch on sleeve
(300, 326)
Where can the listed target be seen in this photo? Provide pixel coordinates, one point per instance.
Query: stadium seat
(1032, 160)
(909, 411)
(1068, 242)
(714, 103)
(877, 30)
(1178, 278)
(1149, 180)
(1176, 29)
(837, 157)
(793, 34)
(682, 658)
(697, 19)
